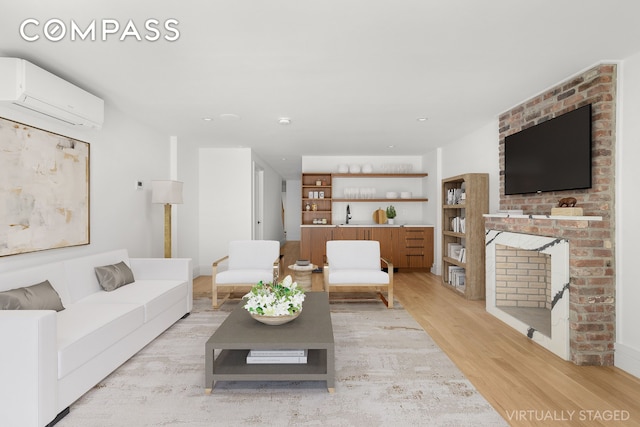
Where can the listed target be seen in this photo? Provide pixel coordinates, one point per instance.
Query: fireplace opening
(523, 286)
(527, 284)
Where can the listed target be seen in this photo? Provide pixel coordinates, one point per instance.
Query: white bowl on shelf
(343, 168)
(368, 168)
(354, 169)
(405, 194)
(391, 195)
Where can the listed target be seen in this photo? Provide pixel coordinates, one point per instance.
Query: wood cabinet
(316, 198)
(414, 247)
(406, 247)
(463, 227)
(313, 243)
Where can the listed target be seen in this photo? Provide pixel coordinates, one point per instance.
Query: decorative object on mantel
(566, 207)
(391, 214)
(568, 202)
(167, 193)
(275, 303)
(44, 190)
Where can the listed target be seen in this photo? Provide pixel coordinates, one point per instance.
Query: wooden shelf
(382, 200)
(379, 175)
(476, 204)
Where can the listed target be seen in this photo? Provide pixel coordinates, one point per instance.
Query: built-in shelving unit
(316, 198)
(317, 194)
(463, 227)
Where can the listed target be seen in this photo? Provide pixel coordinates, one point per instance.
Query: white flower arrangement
(275, 299)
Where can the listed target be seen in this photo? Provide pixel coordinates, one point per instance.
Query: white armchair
(248, 262)
(357, 263)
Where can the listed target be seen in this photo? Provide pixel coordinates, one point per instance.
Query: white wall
(292, 215)
(273, 227)
(120, 216)
(627, 347)
(188, 229)
(225, 207)
(476, 152)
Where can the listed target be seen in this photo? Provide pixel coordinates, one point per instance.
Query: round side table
(302, 275)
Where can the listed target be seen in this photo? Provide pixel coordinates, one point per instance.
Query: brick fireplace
(590, 239)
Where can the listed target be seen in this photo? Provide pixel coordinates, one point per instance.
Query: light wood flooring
(525, 383)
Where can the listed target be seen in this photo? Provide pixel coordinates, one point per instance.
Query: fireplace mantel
(552, 217)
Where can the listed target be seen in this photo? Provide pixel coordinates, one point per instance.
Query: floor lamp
(168, 193)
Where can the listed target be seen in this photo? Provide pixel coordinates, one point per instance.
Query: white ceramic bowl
(405, 194)
(354, 169)
(392, 195)
(343, 168)
(368, 168)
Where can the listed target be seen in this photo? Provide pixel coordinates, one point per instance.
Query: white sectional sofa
(49, 359)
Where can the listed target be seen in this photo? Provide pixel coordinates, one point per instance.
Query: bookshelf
(465, 198)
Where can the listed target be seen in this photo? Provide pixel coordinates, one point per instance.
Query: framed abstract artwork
(44, 190)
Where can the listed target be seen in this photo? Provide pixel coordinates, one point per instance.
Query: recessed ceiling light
(207, 119)
(284, 121)
(390, 146)
(422, 119)
(229, 117)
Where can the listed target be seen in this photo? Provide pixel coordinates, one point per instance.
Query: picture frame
(44, 189)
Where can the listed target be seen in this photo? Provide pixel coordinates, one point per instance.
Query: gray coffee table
(239, 333)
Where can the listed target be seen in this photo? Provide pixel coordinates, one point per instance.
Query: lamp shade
(166, 192)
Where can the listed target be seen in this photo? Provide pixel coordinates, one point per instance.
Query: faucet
(348, 214)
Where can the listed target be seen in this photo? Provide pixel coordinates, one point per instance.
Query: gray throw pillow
(37, 297)
(111, 277)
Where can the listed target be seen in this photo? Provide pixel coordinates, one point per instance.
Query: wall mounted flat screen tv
(552, 156)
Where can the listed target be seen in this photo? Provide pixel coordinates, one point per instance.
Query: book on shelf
(277, 359)
(455, 273)
(462, 255)
(453, 250)
(458, 224)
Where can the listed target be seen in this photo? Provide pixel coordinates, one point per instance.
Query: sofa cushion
(113, 276)
(85, 330)
(80, 273)
(156, 295)
(36, 297)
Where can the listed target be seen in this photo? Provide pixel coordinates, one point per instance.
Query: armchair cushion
(244, 276)
(253, 254)
(359, 276)
(353, 255)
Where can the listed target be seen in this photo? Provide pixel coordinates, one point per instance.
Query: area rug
(388, 371)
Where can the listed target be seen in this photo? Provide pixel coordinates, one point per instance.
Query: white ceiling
(353, 75)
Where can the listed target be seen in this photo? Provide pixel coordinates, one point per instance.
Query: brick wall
(592, 245)
(597, 87)
(522, 278)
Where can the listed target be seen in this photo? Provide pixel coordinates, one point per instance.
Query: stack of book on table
(277, 356)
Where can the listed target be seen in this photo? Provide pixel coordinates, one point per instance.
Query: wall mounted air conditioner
(29, 87)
